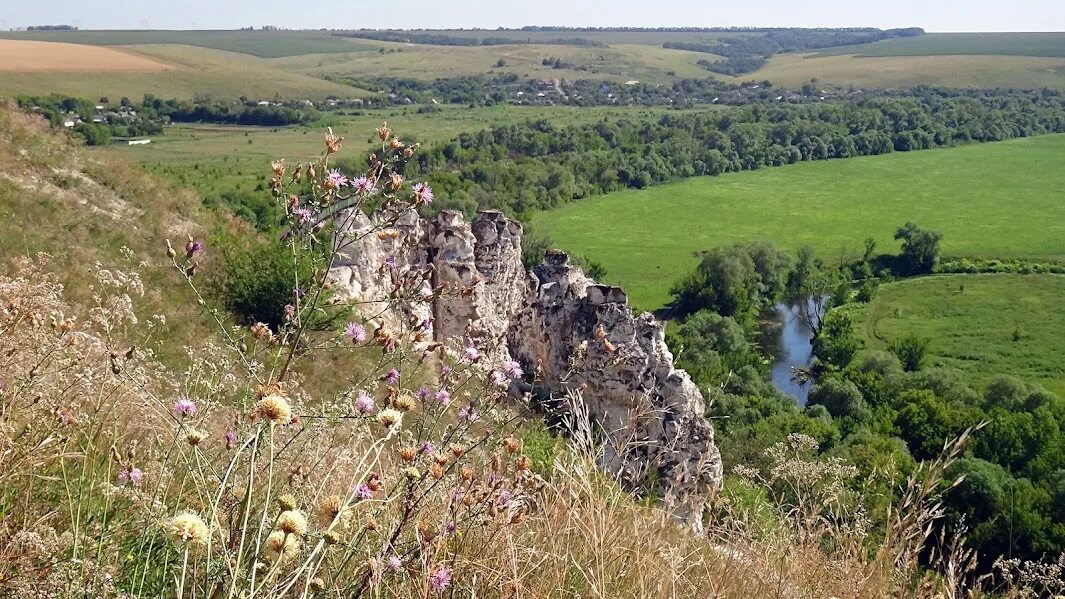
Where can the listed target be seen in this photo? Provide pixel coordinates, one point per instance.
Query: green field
(981, 324)
(215, 157)
(265, 44)
(942, 44)
(995, 200)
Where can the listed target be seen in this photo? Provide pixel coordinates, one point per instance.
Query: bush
(910, 350)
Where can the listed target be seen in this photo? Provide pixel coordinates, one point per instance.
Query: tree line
(537, 165)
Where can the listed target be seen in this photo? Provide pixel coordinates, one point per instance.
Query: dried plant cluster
(230, 478)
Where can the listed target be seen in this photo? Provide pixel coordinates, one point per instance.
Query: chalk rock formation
(574, 338)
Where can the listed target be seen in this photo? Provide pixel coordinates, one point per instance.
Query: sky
(933, 15)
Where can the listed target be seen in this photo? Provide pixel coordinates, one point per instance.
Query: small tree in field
(910, 350)
(920, 249)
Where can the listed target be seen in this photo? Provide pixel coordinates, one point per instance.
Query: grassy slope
(83, 208)
(1027, 72)
(971, 320)
(1004, 199)
(257, 43)
(942, 44)
(198, 71)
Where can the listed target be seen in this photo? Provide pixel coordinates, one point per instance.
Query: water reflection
(787, 338)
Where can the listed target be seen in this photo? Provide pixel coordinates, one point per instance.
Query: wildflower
(424, 393)
(292, 522)
(443, 397)
(187, 527)
(274, 408)
(193, 248)
(183, 407)
(363, 492)
(284, 545)
(499, 379)
(390, 262)
(303, 215)
(469, 414)
(364, 404)
(334, 508)
(389, 418)
(261, 330)
(363, 185)
(231, 439)
(392, 377)
(383, 132)
(396, 144)
(194, 437)
(512, 369)
(428, 447)
(290, 311)
(446, 370)
(131, 475)
(394, 563)
(471, 354)
(423, 193)
(440, 578)
(513, 445)
(332, 143)
(336, 179)
(355, 333)
(287, 502)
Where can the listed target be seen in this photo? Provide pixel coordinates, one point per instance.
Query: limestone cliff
(573, 337)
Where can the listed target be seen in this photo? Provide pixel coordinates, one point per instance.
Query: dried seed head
(436, 471)
(408, 454)
(524, 463)
(513, 445)
(333, 508)
(292, 522)
(389, 418)
(404, 403)
(286, 546)
(274, 408)
(412, 473)
(194, 437)
(287, 502)
(187, 527)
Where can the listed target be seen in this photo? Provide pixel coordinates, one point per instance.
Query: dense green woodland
(537, 166)
(883, 411)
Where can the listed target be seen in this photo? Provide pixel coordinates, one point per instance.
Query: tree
(710, 346)
(836, 344)
(501, 63)
(910, 350)
(920, 249)
(733, 280)
(841, 398)
(813, 287)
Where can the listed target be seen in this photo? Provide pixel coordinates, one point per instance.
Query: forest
(536, 165)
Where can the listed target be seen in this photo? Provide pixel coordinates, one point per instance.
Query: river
(787, 338)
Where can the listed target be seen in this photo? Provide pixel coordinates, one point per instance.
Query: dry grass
(30, 56)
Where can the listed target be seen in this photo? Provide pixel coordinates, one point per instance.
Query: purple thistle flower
(446, 370)
(513, 369)
(363, 492)
(394, 563)
(364, 403)
(450, 529)
(304, 215)
(363, 185)
(428, 447)
(440, 578)
(133, 476)
(390, 261)
(504, 498)
(471, 354)
(423, 193)
(392, 377)
(193, 248)
(298, 293)
(469, 414)
(355, 333)
(231, 439)
(337, 178)
(499, 379)
(424, 393)
(443, 396)
(183, 407)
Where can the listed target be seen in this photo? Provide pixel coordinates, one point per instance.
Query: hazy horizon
(945, 16)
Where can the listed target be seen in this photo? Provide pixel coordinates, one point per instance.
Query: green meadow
(1000, 200)
(980, 324)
